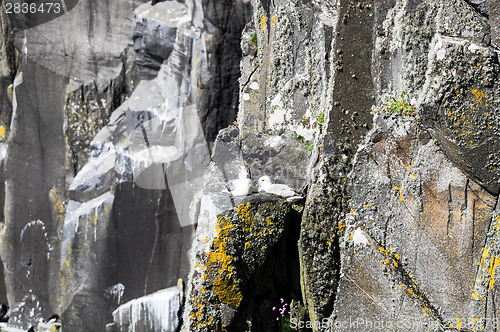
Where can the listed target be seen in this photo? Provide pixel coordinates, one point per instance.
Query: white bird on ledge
(266, 186)
(240, 186)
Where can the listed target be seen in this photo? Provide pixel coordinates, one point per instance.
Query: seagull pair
(242, 185)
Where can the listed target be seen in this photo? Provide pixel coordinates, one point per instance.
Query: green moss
(399, 106)
(253, 39)
(320, 120)
(311, 147)
(299, 137)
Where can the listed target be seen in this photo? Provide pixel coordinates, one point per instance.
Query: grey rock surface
(34, 194)
(432, 65)
(426, 218)
(84, 44)
(118, 137)
(72, 158)
(154, 34)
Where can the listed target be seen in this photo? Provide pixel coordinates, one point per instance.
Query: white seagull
(240, 186)
(266, 186)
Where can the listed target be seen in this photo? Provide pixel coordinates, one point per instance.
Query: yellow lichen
(493, 267)
(400, 192)
(219, 264)
(479, 95)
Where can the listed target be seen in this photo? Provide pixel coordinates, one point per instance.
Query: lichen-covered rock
(321, 225)
(285, 82)
(429, 221)
(448, 70)
(346, 120)
(7, 74)
(460, 106)
(367, 300)
(89, 107)
(226, 273)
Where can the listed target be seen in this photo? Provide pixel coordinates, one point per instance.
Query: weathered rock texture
(450, 69)
(416, 234)
(245, 267)
(118, 136)
(92, 217)
(398, 227)
(157, 311)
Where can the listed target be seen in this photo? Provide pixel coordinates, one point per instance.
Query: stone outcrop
(449, 70)
(416, 234)
(243, 267)
(398, 227)
(154, 34)
(122, 122)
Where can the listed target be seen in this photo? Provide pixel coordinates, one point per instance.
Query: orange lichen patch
(262, 26)
(383, 250)
(400, 192)
(479, 95)
(219, 266)
(459, 323)
(228, 293)
(493, 268)
(488, 265)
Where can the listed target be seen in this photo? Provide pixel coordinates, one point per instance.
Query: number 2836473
(32, 8)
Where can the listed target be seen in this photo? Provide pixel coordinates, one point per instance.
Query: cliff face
(118, 135)
(80, 237)
(398, 227)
